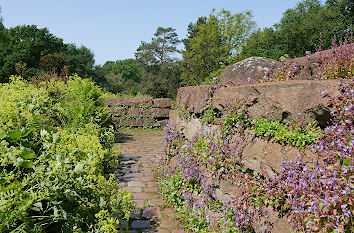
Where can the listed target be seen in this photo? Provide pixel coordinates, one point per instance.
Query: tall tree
(80, 60)
(159, 63)
(301, 28)
(263, 43)
(160, 49)
(27, 44)
(211, 42)
(122, 76)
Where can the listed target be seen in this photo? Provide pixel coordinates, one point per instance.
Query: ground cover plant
(56, 157)
(316, 196)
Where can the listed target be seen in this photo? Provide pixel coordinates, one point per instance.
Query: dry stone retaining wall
(139, 112)
(279, 101)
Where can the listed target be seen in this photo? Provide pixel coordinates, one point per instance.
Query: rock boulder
(247, 71)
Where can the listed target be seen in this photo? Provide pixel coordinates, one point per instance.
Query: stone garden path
(140, 152)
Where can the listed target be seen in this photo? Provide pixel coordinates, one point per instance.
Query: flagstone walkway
(140, 152)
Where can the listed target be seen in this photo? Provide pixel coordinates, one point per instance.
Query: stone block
(138, 112)
(162, 102)
(127, 122)
(159, 112)
(280, 101)
(128, 101)
(173, 116)
(193, 98)
(163, 123)
(117, 111)
(141, 122)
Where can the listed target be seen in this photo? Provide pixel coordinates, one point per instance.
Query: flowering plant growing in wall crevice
(315, 193)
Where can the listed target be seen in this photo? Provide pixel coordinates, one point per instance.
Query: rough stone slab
(138, 111)
(159, 112)
(163, 123)
(266, 156)
(252, 68)
(280, 101)
(128, 101)
(162, 102)
(150, 112)
(136, 184)
(139, 203)
(193, 98)
(117, 111)
(135, 213)
(141, 196)
(173, 116)
(178, 230)
(127, 122)
(170, 223)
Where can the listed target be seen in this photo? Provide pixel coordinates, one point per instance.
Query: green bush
(55, 154)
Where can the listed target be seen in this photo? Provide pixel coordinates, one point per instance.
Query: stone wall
(278, 101)
(139, 112)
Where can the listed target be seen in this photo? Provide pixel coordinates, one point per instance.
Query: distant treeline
(212, 43)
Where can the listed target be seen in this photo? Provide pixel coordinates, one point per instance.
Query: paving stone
(139, 203)
(150, 189)
(151, 213)
(167, 212)
(135, 184)
(156, 202)
(142, 196)
(178, 231)
(133, 189)
(141, 153)
(163, 231)
(169, 223)
(139, 224)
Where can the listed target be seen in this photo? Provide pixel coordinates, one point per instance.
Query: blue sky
(113, 29)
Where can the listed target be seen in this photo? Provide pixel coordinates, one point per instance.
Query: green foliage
(301, 28)
(292, 135)
(172, 190)
(208, 115)
(27, 44)
(161, 76)
(81, 61)
(55, 152)
(157, 90)
(263, 43)
(235, 120)
(211, 42)
(160, 49)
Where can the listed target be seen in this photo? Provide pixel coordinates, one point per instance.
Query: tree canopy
(160, 49)
(301, 29)
(211, 42)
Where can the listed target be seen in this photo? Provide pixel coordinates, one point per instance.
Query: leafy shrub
(55, 152)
